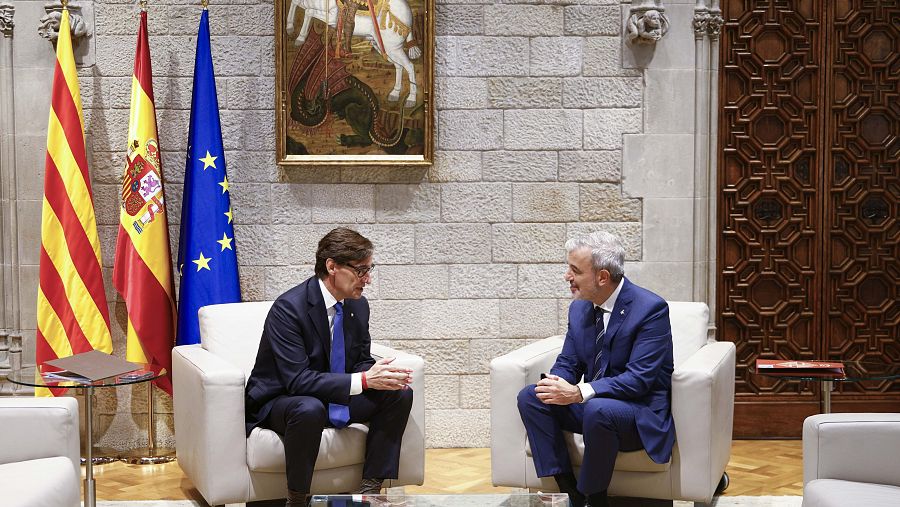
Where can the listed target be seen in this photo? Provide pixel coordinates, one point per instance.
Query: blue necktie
(598, 343)
(338, 414)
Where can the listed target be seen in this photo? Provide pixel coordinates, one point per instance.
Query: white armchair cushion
(221, 324)
(689, 328)
(836, 493)
(39, 483)
(265, 450)
(850, 459)
(39, 446)
(634, 461)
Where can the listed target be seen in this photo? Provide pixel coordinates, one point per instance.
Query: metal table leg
(827, 386)
(90, 491)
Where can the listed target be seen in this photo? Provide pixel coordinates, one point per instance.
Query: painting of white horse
(395, 30)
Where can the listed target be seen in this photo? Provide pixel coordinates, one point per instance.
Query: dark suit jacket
(295, 350)
(637, 361)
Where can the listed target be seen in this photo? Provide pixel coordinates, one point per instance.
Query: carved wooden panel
(768, 207)
(862, 174)
(809, 177)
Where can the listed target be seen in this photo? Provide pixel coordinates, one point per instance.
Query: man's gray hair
(607, 252)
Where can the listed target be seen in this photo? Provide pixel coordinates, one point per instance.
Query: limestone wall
(548, 125)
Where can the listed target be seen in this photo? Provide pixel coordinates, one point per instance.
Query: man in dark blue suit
(314, 369)
(620, 341)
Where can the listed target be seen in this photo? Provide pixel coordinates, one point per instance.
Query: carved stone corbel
(714, 25)
(701, 22)
(7, 11)
(647, 23)
(49, 27)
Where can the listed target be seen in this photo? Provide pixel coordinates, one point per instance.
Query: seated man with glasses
(314, 370)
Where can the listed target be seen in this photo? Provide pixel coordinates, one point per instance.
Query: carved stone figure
(49, 27)
(6, 19)
(647, 27)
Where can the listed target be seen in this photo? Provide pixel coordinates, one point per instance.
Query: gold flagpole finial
(143, 4)
(65, 4)
(204, 3)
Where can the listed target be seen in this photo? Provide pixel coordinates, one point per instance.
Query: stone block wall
(545, 129)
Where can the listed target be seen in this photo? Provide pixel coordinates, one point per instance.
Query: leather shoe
(369, 487)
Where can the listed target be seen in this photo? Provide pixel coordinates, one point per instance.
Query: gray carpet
(723, 501)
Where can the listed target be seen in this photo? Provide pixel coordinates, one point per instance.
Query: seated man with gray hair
(612, 381)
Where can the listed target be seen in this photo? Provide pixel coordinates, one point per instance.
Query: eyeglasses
(361, 271)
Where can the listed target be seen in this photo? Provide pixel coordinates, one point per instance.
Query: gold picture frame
(350, 100)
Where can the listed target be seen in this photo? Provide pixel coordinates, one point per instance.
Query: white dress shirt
(587, 392)
(330, 301)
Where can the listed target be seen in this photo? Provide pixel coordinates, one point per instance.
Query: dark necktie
(338, 414)
(598, 342)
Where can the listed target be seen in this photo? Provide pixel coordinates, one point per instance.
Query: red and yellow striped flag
(72, 313)
(143, 269)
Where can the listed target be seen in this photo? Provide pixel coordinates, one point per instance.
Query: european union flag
(207, 257)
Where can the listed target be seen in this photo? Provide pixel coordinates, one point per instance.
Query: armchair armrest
(412, 448)
(209, 419)
(851, 447)
(36, 428)
(703, 410)
(509, 374)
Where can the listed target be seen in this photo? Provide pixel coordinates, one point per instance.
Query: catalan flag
(72, 313)
(207, 258)
(143, 269)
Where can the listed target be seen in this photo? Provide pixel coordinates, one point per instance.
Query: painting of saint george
(354, 81)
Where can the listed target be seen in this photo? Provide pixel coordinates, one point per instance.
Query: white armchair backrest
(232, 331)
(689, 327)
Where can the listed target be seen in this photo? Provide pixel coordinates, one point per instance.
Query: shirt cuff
(355, 383)
(587, 392)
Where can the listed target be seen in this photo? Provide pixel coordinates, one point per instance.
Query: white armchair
(851, 459)
(39, 452)
(212, 448)
(702, 406)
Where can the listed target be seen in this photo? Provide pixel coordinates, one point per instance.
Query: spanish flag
(72, 313)
(143, 269)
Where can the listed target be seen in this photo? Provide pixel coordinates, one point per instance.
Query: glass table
(854, 371)
(37, 377)
(473, 500)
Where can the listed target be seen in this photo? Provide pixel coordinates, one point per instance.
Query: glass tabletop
(473, 500)
(43, 377)
(854, 371)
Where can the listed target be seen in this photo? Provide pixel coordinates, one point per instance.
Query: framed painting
(354, 82)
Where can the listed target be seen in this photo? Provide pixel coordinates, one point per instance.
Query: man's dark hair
(344, 246)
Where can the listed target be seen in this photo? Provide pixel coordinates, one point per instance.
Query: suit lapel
(620, 311)
(319, 315)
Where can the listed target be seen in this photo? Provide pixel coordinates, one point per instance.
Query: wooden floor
(757, 467)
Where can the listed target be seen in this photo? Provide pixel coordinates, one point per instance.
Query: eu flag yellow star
(202, 262)
(229, 214)
(208, 161)
(224, 184)
(225, 242)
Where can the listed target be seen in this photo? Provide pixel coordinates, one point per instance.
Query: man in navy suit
(314, 369)
(620, 340)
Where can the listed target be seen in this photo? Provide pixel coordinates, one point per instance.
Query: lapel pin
(622, 312)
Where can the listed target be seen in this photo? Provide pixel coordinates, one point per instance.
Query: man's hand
(554, 390)
(384, 377)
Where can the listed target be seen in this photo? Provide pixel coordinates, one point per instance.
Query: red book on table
(796, 367)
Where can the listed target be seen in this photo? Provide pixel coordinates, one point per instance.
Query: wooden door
(809, 198)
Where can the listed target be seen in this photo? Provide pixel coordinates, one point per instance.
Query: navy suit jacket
(637, 361)
(295, 350)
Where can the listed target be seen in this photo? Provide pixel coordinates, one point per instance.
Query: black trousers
(301, 419)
